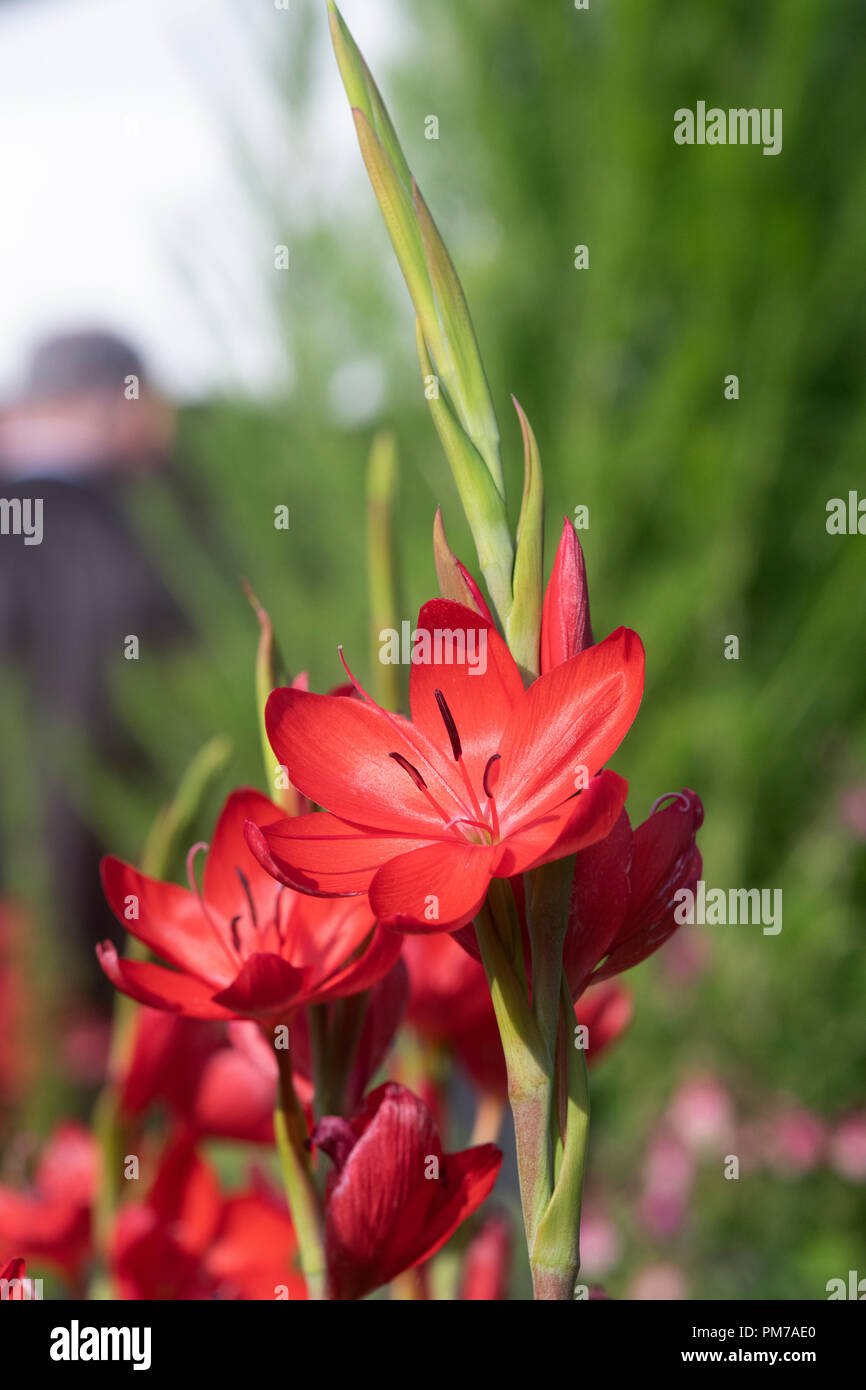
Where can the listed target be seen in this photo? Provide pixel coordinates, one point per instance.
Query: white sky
(123, 205)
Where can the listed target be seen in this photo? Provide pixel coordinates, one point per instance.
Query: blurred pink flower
(599, 1242)
(795, 1141)
(668, 1175)
(847, 1147)
(701, 1114)
(685, 957)
(853, 807)
(657, 1283)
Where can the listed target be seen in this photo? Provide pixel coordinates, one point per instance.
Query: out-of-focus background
(154, 160)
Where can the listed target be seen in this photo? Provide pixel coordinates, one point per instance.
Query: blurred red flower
(50, 1220)
(188, 1241)
(487, 1262)
(12, 1276)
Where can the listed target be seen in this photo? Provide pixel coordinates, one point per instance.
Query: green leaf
(482, 502)
(467, 382)
(363, 93)
(398, 212)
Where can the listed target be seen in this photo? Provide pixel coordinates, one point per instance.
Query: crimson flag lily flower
(623, 893)
(394, 1197)
(486, 781)
(211, 1080)
(241, 947)
(188, 1241)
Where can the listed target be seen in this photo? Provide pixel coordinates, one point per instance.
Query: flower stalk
(291, 1134)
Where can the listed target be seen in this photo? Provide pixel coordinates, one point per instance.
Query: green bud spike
(523, 628)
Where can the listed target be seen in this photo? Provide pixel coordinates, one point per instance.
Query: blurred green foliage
(707, 516)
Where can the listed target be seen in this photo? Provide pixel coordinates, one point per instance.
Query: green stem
(526, 1061)
(291, 1134)
(555, 1255)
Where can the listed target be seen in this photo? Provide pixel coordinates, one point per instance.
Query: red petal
(380, 1196)
(158, 987)
(599, 899)
(573, 719)
(234, 1099)
(186, 1196)
(663, 852)
(469, 1178)
(265, 987)
(337, 752)
(631, 950)
(568, 828)
(321, 854)
(437, 888)
(481, 697)
(379, 957)
(253, 1251)
(383, 1213)
(170, 921)
(229, 852)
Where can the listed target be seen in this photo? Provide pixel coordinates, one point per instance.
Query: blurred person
(75, 581)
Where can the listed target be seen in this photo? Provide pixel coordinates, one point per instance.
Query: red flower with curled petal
(486, 781)
(624, 890)
(241, 947)
(394, 1197)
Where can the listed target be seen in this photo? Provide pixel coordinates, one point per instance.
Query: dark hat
(70, 364)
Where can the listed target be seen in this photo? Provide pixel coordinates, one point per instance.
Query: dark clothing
(66, 606)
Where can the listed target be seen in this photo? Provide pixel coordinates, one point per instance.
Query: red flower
(487, 1261)
(207, 1074)
(394, 1197)
(482, 783)
(623, 894)
(241, 948)
(187, 1241)
(50, 1221)
(448, 991)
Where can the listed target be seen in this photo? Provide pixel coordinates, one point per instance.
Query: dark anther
(488, 790)
(448, 720)
(245, 884)
(236, 936)
(407, 767)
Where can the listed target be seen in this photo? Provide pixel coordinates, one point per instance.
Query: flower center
(481, 824)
